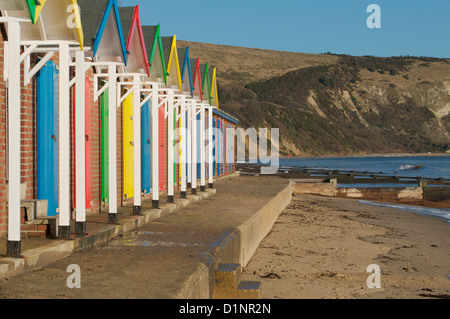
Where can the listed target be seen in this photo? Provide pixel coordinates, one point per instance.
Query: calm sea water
(408, 166)
(431, 166)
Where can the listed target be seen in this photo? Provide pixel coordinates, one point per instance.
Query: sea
(426, 166)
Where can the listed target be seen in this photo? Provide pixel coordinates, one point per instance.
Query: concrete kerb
(39, 257)
(238, 247)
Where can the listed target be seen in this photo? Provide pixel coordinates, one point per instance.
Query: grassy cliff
(336, 104)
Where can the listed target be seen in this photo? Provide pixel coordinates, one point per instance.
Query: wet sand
(320, 248)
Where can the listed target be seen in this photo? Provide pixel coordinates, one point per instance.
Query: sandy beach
(320, 248)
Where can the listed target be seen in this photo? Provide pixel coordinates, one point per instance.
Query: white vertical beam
(189, 143)
(80, 143)
(183, 139)
(210, 148)
(170, 148)
(64, 141)
(137, 144)
(112, 80)
(13, 52)
(155, 145)
(194, 147)
(202, 149)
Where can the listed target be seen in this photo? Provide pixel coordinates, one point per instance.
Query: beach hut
(128, 120)
(204, 105)
(185, 123)
(137, 69)
(174, 101)
(48, 27)
(104, 37)
(12, 77)
(157, 79)
(195, 101)
(209, 85)
(187, 89)
(216, 123)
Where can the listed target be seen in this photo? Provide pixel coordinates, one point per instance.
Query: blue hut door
(47, 136)
(146, 154)
(214, 147)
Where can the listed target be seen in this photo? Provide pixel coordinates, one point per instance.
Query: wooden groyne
(422, 191)
(347, 176)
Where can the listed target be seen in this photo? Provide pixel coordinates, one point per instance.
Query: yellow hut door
(128, 148)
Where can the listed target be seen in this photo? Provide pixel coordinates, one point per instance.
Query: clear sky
(408, 27)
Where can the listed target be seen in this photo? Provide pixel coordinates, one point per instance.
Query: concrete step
(249, 290)
(228, 284)
(227, 276)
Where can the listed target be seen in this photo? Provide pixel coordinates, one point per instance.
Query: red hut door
(162, 151)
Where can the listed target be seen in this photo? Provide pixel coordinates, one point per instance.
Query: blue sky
(408, 27)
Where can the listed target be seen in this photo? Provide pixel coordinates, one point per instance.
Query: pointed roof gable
(186, 78)
(206, 88)
(152, 37)
(57, 20)
(197, 78)
(137, 59)
(102, 18)
(172, 61)
(35, 8)
(214, 94)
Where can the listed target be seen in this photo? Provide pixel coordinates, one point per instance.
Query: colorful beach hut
(39, 27)
(136, 70)
(204, 105)
(187, 90)
(104, 37)
(209, 87)
(194, 129)
(174, 100)
(157, 79)
(185, 121)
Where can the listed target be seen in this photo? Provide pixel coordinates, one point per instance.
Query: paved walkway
(167, 253)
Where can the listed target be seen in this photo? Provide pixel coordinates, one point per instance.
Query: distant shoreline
(374, 155)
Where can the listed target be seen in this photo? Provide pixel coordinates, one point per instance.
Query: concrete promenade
(178, 247)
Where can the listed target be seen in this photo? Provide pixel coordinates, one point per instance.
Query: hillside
(336, 104)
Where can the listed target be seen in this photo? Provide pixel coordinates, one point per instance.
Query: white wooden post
(64, 141)
(189, 144)
(137, 208)
(170, 148)
(183, 145)
(155, 145)
(112, 79)
(194, 147)
(202, 148)
(210, 148)
(14, 177)
(80, 142)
